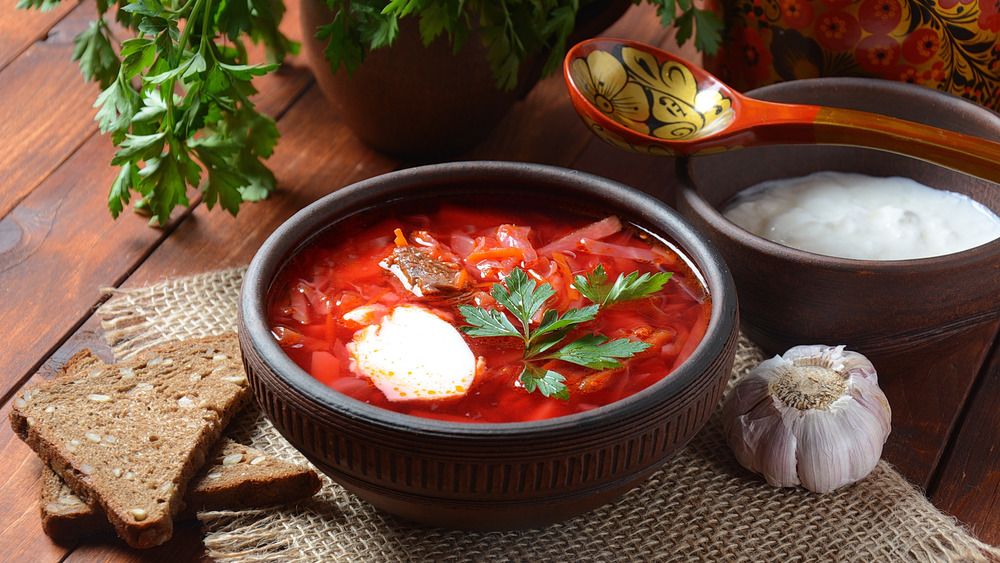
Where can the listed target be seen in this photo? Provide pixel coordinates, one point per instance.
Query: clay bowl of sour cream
(367, 324)
(897, 275)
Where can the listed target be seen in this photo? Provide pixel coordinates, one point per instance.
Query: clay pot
(415, 101)
(948, 45)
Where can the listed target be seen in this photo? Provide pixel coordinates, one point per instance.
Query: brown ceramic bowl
(931, 313)
(487, 476)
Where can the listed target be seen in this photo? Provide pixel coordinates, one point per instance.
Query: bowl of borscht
(894, 257)
(488, 345)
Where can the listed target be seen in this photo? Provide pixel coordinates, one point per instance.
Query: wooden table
(59, 247)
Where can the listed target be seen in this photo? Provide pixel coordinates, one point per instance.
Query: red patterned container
(949, 45)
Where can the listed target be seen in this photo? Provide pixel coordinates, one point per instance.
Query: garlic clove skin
(760, 437)
(812, 417)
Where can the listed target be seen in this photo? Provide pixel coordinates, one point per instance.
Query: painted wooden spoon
(646, 100)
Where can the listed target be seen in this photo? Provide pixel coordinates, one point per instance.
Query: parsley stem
(186, 33)
(169, 120)
(184, 7)
(206, 26)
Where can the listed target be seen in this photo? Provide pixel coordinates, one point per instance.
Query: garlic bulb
(813, 416)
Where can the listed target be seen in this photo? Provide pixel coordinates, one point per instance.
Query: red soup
(380, 312)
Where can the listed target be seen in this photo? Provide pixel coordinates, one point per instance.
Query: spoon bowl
(646, 100)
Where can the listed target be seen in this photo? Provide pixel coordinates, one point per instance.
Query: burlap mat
(701, 506)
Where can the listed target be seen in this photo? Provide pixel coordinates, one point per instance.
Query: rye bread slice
(235, 477)
(131, 435)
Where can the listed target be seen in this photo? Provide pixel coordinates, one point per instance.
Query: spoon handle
(964, 153)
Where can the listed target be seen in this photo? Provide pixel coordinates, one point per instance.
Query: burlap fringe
(701, 506)
(190, 307)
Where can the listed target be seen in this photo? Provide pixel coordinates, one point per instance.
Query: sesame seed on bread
(234, 477)
(129, 436)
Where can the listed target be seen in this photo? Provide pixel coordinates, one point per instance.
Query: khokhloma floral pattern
(661, 100)
(949, 45)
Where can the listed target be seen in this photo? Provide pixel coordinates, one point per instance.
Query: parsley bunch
(176, 98)
(523, 298)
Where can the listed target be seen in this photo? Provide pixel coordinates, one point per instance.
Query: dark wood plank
(21, 28)
(55, 105)
(23, 539)
(58, 247)
(927, 401)
(968, 484)
(54, 115)
(186, 546)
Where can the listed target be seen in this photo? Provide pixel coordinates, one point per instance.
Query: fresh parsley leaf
(552, 322)
(93, 50)
(709, 28)
(153, 109)
(511, 30)
(117, 105)
(547, 382)
(690, 20)
(487, 322)
(137, 54)
(127, 178)
(561, 23)
(41, 5)
(596, 351)
(438, 18)
(402, 7)
(381, 31)
(142, 147)
(521, 296)
(344, 47)
(242, 72)
(163, 185)
(594, 286)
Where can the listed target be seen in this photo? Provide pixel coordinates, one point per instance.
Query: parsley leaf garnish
(594, 286)
(522, 297)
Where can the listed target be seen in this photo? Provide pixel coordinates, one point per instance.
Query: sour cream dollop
(413, 354)
(863, 217)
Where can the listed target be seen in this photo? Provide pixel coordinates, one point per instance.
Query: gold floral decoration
(604, 82)
(663, 100)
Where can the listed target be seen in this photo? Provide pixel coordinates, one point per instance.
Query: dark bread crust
(235, 477)
(240, 477)
(64, 515)
(130, 436)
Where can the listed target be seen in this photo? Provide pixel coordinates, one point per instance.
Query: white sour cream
(863, 217)
(413, 354)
